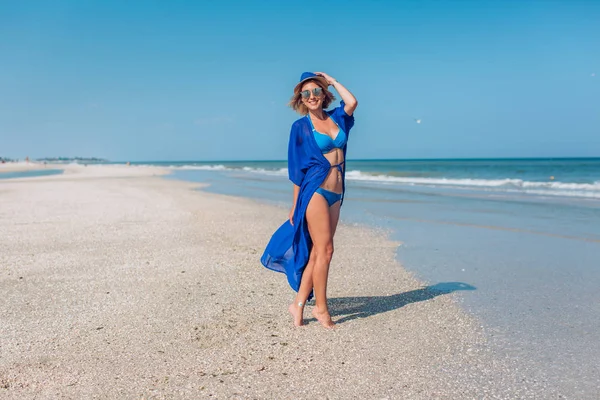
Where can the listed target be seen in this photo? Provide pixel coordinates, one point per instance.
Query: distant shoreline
(22, 166)
(366, 160)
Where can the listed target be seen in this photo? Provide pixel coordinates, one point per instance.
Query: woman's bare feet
(323, 317)
(297, 312)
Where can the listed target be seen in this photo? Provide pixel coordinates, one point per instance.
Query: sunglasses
(317, 92)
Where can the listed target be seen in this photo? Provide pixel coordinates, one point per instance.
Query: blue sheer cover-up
(289, 248)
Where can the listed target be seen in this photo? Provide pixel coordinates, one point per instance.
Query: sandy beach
(118, 283)
(21, 166)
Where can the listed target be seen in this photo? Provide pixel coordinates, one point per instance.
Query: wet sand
(117, 283)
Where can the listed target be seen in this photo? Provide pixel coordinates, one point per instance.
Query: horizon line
(381, 159)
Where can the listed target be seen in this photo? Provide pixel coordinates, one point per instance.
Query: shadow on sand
(350, 308)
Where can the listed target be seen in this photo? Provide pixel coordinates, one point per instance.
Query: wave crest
(553, 188)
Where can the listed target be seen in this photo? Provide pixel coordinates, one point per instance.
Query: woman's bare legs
(306, 285)
(321, 309)
(322, 221)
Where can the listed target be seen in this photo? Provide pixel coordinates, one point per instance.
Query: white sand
(21, 166)
(117, 284)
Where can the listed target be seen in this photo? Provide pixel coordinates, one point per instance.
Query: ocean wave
(515, 183)
(575, 193)
(552, 188)
(220, 167)
(278, 172)
(200, 167)
(587, 190)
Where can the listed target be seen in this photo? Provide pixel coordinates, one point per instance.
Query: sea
(523, 235)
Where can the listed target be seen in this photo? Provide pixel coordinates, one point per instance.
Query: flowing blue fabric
(289, 248)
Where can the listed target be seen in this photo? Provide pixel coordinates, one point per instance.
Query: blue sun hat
(310, 76)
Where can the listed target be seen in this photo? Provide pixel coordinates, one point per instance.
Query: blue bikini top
(325, 142)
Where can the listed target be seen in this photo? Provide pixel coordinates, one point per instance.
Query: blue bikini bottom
(330, 196)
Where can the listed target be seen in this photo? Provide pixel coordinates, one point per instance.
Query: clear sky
(210, 80)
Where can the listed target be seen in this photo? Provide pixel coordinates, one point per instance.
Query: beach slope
(117, 283)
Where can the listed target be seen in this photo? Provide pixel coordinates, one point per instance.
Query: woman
(302, 247)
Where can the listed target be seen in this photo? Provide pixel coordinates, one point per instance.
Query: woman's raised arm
(350, 101)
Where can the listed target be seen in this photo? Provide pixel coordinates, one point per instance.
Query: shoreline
(499, 248)
(22, 166)
(161, 286)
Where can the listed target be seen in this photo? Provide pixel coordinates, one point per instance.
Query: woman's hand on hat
(329, 79)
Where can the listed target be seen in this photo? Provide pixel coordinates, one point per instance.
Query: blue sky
(200, 80)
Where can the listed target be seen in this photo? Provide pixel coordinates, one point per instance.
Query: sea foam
(551, 188)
